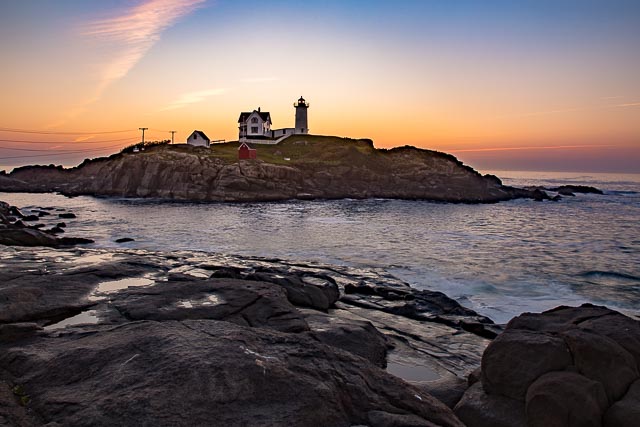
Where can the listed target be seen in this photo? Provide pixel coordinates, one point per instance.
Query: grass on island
(307, 150)
(295, 149)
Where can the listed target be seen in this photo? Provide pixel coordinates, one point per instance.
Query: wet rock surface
(97, 337)
(570, 366)
(570, 190)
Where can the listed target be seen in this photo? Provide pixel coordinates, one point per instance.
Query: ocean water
(499, 259)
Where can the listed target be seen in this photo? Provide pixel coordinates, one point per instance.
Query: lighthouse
(302, 125)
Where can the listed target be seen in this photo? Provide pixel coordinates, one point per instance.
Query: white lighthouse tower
(302, 125)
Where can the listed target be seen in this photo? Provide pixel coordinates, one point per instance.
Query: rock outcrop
(318, 168)
(129, 337)
(569, 190)
(13, 231)
(565, 367)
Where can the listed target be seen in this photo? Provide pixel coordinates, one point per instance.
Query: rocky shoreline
(324, 168)
(122, 337)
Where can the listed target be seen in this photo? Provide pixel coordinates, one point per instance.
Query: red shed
(246, 152)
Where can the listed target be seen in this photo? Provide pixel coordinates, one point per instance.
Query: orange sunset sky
(526, 85)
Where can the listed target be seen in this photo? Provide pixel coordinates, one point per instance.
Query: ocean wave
(610, 274)
(620, 192)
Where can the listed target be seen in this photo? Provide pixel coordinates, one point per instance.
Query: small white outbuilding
(198, 138)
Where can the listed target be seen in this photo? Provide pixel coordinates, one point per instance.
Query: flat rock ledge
(126, 337)
(565, 367)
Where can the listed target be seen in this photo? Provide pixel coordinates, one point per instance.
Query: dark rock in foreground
(193, 372)
(128, 337)
(565, 367)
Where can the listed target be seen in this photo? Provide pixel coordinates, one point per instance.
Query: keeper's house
(255, 126)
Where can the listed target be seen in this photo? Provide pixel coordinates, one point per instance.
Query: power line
(48, 132)
(33, 149)
(65, 142)
(59, 154)
(53, 150)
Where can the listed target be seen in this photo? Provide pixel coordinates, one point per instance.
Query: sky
(501, 84)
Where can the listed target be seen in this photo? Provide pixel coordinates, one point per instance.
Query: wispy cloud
(193, 98)
(136, 30)
(631, 104)
(83, 138)
(127, 37)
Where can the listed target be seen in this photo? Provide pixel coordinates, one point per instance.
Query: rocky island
(300, 167)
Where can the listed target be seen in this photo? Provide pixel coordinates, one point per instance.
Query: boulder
(560, 318)
(479, 409)
(16, 212)
(622, 329)
(125, 240)
(357, 337)
(67, 215)
(602, 359)
(26, 237)
(565, 192)
(566, 189)
(539, 195)
(565, 399)
(570, 366)
(307, 291)
(626, 411)
(514, 360)
(448, 389)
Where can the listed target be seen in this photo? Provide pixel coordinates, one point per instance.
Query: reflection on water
(208, 301)
(117, 285)
(412, 373)
(500, 259)
(84, 318)
(409, 370)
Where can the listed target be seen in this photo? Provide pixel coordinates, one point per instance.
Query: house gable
(263, 116)
(198, 134)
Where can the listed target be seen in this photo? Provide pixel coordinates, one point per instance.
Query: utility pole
(143, 129)
(172, 132)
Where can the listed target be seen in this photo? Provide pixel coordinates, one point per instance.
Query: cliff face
(318, 167)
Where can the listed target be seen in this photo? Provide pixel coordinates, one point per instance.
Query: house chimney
(258, 109)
